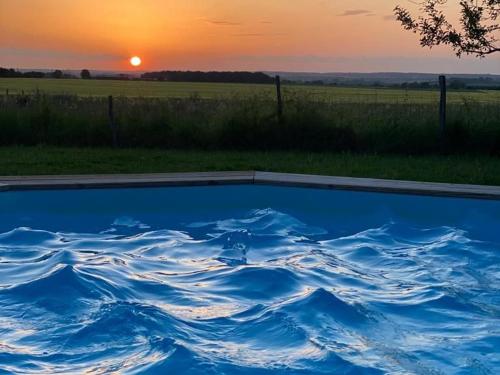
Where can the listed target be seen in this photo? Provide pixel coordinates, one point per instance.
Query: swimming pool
(248, 279)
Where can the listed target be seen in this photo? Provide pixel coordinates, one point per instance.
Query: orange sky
(293, 35)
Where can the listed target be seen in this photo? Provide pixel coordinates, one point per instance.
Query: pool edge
(379, 185)
(9, 183)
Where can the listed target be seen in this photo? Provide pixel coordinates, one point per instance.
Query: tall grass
(251, 123)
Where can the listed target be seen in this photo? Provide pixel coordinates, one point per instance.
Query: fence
(260, 122)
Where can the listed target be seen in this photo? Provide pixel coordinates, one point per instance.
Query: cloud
(389, 17)
(356, 12)
(59, 54)
(223, 23)
(250, 35)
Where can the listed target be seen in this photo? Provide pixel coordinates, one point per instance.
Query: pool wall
(247, 177)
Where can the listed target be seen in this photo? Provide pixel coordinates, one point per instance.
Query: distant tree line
(85, 74)
(12, 73)
(222, 77)
(172, 76)
(457, 84)
(481, 83)
(454, 83)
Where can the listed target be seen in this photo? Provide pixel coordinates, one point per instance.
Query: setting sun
(135, 61)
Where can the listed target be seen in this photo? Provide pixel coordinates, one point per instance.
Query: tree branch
(476, 36)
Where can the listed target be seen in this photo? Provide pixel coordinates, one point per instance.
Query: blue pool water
(248, 280)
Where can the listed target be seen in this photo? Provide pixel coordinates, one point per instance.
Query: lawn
(218, 90)
(53, 161)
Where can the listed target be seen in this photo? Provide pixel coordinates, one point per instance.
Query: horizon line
(135, 72)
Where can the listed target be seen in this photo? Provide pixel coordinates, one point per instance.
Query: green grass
(218, 90)
(44, 161)
(250, 124)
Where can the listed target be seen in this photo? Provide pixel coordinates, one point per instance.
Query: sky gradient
(277, 35)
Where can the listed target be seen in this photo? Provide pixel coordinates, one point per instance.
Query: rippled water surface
(248, 280)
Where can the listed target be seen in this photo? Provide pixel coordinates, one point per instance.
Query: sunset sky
(291, 35)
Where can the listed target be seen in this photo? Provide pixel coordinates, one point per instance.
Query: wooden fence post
(112, 123)
(442, 105)
(280, 99)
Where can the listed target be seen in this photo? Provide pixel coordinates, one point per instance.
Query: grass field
(231, 117)
(250, 124)
(48, 160)
(220, 90)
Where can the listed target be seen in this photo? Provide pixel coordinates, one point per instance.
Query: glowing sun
(135, 61)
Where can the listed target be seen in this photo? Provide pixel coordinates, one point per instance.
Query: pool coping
(8, 183)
